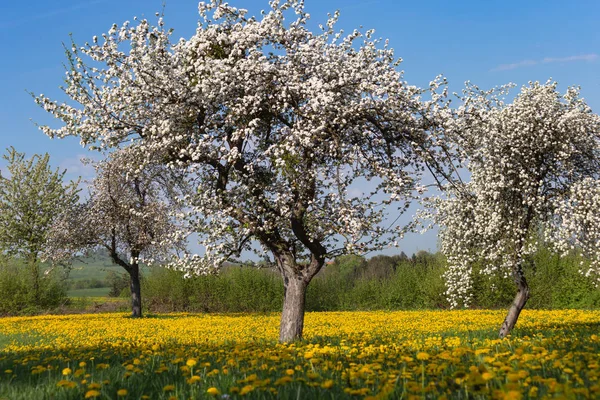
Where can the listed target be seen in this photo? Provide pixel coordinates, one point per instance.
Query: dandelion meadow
(405, 354)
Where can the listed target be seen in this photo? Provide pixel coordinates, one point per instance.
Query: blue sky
(488, 43)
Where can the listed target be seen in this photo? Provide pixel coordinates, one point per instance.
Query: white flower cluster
(580, 225)
(273, 126)
(128, 214)
(531, 162)
(272, 122)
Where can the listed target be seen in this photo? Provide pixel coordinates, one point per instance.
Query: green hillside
(92, 276)
(93, 268)
(91, 292)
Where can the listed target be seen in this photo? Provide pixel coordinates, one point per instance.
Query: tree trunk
(134, 285)
(35, 275)
(518, 303)
(292, 316)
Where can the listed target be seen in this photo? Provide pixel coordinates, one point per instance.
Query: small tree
(128, 214)
(32, 196)
(274, 123)
(525, 158)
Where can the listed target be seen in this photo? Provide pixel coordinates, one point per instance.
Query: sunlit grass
(367, 354)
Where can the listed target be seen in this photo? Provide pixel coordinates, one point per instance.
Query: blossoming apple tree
(580, 225)
(275, 124)
(527, 160)
(131, 214)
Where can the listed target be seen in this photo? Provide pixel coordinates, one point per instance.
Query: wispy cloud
(528, 63)
(506, 67)
(585, 57)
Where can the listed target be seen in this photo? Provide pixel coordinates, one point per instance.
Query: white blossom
(527, 160)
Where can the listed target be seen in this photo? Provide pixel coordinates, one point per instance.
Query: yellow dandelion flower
(213, 391)
(91, 394)
(246, 389)
(513, 395)
(512, 377)
(66, 384)
(122, 392)
(328, 384)
(422, 356)
(169, 388)
(289, 372)
(67, 371)
(191, 362)
(487, 376)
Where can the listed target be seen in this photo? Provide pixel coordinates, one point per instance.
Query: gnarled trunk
(296, 278)
(134, 285)
(292, 316)
(518, 303)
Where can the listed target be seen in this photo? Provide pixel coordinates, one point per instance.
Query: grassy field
(90, 292)
(92, 268)
(419, 354)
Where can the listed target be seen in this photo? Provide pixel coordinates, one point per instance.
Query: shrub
(18, 294)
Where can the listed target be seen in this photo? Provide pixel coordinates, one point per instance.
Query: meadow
(377, 354)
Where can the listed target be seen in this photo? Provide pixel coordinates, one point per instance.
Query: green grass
(94, 292)
(95, 268)
(92, 269)
(553, 355)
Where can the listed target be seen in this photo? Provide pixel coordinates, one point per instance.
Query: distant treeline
(380, 282)
(348, 283)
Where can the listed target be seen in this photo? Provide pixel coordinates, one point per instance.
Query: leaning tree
(131, 214)
(274, 124)
(525, 159)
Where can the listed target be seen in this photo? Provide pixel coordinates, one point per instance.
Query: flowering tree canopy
(274, 124)
(579, 219)
(32, 197)
(128, 214)
(525, 158)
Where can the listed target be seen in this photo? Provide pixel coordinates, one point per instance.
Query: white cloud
(585, 57)
(547, 60)
(506, 67)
